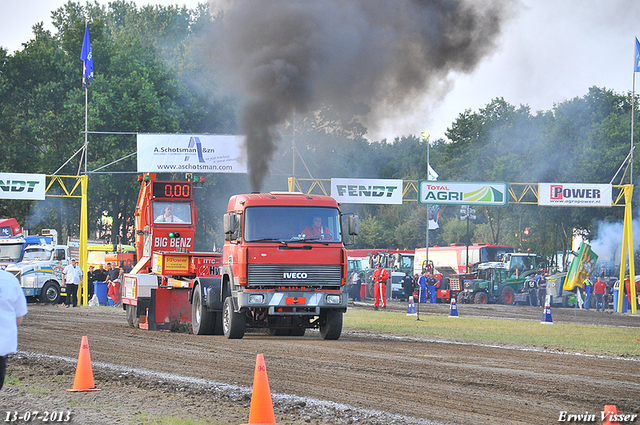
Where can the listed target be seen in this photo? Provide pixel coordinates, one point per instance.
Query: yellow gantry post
(84, 180)
(627, 248)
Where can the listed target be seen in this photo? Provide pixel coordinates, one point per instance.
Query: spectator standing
(407, 285)
(586, 285)
(100, 275)
(531, 286)
(380, 277)
(600, 289)
(71, 278)
(422, 282)
(114, 288)
(90, 280)
(358, 287)
(13, 306)
(112, 272)
(542, 289)
(431, 287)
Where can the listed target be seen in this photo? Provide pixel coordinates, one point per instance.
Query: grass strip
(588, 339)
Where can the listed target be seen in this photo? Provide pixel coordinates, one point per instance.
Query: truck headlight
(256, 299)
(29, 282)
(334, 299)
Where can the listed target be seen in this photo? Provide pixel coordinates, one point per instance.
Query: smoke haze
(363, 58)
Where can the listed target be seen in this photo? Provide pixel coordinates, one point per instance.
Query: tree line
(151, 76)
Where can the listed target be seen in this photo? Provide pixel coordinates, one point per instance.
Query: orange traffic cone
(261, 410)
(84, 373)
(610, 412)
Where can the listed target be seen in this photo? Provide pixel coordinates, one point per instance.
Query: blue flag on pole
(87, 59)
(636, 63)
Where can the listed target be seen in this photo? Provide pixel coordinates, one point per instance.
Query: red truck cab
(284, 264)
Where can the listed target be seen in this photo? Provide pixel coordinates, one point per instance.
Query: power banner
(367, 191)
(190, 153)
(22, 186)
(575, 194)
(463, 193)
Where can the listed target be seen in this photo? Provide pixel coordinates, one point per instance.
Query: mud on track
(372, 378)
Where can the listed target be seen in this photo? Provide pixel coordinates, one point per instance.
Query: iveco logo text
(289, 275)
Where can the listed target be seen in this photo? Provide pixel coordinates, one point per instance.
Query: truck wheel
(233, 323)
(202, 321)
(331, 324)
(507, 295)
(480, 298)
(132, 315)
(50, 293)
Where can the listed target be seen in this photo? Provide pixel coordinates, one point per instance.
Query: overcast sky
(550, 51)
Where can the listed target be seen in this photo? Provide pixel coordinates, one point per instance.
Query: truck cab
(40, 271)
(284, 264)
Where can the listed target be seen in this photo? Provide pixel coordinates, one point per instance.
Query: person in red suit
(317, 231)
(380, 277)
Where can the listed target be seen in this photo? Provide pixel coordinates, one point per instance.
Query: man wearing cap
(380, 277)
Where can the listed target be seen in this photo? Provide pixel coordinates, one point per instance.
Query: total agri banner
(367, 191)
(22, 186)
(575, 194)
(463, 193)
(190, 153)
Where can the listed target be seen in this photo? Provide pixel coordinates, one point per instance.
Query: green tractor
(493, 285)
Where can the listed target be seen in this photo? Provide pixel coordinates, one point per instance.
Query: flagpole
(633, 110)
(86, 114)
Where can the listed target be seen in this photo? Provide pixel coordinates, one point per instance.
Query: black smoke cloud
(294, 56)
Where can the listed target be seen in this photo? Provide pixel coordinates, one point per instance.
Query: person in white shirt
(167, 216)
(13, 306)
(71, 278)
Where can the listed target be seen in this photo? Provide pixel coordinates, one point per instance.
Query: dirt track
(373, 375)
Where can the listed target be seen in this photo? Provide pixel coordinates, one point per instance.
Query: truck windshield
(11, 252)
(172, 212)
(37, 254)
(291, 224)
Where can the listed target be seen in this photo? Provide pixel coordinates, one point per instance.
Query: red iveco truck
(284, 264)
(283, 267)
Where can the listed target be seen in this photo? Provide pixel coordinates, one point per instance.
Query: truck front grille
(291, 275)
(16, 273)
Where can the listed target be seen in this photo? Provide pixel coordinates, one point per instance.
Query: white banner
(22, 186)
(190, 153)
(575, 194)
(367, 191)
(463, 193)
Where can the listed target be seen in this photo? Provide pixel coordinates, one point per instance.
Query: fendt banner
(463, 193)
(367, 191)
(22, 186)
(190, 153)
(575, 194)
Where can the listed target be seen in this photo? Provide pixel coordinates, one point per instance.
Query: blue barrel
(625, 302)
(100, 289)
